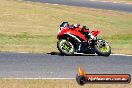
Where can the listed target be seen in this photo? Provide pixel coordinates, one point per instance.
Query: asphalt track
(91, 4)
(28, 65)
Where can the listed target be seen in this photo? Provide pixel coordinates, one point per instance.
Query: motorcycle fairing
(78, 34)
(73, 33)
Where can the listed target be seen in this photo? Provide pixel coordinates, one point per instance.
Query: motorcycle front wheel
(102, 48)
(65, 47)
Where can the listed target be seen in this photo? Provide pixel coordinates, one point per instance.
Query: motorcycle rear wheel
(65, 47)
(102, 48)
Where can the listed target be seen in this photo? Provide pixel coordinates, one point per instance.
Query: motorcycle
(71, 40)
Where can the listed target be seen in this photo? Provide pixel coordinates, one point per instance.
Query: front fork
(92, 42)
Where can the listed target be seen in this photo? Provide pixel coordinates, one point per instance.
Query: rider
(84, 30)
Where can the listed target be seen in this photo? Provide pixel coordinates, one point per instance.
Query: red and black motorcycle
(72, 40)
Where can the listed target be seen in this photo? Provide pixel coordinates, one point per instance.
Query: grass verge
(55, 84)
(32, 27)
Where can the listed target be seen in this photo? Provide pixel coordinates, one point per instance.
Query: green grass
(26, 42)
(32, 27)
(55, 84)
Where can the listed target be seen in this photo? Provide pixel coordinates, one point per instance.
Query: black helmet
(64, 24)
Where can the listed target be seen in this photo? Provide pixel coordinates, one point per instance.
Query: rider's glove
(91, 36)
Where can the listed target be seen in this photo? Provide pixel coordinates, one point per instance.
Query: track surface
(91, 4)
(55, 66)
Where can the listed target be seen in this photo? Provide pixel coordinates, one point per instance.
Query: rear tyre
(65, 47)
(102, 48)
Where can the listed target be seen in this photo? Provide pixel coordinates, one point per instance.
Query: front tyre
(102, 48)
(65, 47)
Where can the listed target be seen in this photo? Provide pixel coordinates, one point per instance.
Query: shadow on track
(60, 54)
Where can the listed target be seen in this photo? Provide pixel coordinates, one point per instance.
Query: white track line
(38, 78)
(90, 54)
(120, 55)
(120, 2)
(23, 52)
(51, 3)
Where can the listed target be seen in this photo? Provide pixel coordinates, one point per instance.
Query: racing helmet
(64, 24)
